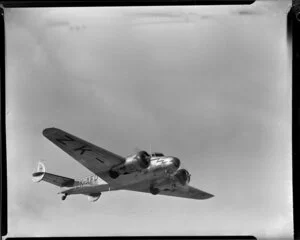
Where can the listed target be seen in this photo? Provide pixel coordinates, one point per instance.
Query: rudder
(40, 172)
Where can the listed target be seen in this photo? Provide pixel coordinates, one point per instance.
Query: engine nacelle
(141, 159)
(182, 176)
(133, 163)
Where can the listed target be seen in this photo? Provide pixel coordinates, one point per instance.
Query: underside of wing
(179, 191)
(188, 192)
(96, 159)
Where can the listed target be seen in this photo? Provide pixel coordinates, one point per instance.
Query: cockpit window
(157, 155)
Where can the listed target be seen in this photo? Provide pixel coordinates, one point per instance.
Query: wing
(179, 191)
(187, 192)
(96, 159)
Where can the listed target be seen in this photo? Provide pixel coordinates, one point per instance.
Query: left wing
(96, 159)
(179, 191)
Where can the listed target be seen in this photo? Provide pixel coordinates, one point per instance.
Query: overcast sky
(210, 85)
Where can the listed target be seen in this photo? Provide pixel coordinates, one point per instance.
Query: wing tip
(203, 196)
(210, 196)
(48, 131)
(207, 196)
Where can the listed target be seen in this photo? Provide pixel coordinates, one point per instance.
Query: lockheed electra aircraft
(141, 172)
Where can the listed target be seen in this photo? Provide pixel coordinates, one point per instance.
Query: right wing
(96, 159)
(187, 192)
(179, 191)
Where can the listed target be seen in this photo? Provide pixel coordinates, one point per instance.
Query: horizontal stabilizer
(42, 175)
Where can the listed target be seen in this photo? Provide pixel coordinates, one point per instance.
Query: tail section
(40, 172)
(57, 180)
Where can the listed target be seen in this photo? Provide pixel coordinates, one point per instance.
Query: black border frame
(3, 185)
(101, 3)
(293, 34)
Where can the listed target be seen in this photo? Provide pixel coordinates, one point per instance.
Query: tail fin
(40, 172)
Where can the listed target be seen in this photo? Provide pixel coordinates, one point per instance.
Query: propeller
(183, 176)
(189, 174)
(137, 149)
(182, 166)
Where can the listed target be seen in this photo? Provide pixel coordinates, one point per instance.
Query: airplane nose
(176, 162)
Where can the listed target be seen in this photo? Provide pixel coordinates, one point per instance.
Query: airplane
(142, 172)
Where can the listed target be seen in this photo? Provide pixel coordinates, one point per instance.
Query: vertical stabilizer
(40, 172)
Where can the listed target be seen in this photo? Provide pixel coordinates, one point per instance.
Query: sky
(210, 85)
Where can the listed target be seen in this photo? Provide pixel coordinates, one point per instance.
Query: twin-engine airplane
(141, 172)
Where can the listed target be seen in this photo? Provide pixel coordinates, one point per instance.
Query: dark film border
(293, 33)
(93, 3)
(3, 185)
(146, 238)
